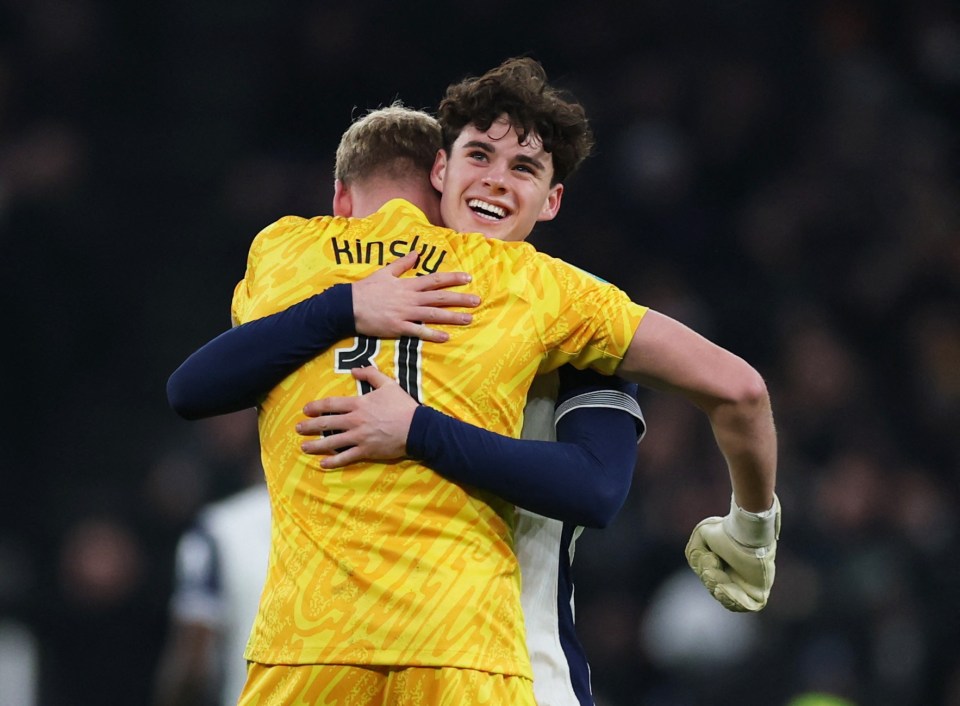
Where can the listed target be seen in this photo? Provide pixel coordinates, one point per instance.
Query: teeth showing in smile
(487, 210)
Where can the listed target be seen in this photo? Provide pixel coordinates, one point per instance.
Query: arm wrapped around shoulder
(734, 556)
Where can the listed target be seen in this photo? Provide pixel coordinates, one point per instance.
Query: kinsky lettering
(373, 252)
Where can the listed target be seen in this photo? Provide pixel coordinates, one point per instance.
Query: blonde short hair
(392, 142)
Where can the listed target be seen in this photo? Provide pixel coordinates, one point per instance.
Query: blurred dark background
(782, 176)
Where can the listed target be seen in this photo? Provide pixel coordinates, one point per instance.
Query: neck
(371, 196)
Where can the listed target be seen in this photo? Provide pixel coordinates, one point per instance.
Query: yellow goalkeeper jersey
(389, 563)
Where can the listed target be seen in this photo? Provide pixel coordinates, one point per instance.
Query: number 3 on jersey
(406, 360)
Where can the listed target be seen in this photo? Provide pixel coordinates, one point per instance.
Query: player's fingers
(401, 265)
(343, 458)
(446, 298)
(325, 445)
(372, 375)
(441, 280)
(707, 566)
(330, 405)
(712, 577)
(428, 315)
(734, 598)
(424, 333)
(695, 547)
(314, 426)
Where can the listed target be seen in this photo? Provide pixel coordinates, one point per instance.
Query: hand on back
(373, 426)
(387, 305)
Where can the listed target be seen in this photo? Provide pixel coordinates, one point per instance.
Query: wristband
(753, 529)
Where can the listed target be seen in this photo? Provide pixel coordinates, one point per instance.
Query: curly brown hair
(518, 88)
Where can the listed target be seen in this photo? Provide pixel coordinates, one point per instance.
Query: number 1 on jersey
(406, 360)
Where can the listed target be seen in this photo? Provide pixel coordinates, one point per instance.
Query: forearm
(667, 355)
(237, 368)
(745, 433)
(582, 478)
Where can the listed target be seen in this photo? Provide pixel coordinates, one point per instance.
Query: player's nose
(494, 179)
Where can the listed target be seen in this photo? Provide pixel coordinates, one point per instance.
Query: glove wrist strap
(753, 529)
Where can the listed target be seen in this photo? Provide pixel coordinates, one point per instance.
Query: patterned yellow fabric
(337, 685)
(388, 563)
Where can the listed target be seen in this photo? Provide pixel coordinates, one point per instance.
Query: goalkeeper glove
(734, 556)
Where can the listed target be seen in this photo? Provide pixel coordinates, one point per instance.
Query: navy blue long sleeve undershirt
(239, 367)
(581, 478)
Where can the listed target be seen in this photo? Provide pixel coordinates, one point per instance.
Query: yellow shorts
(340, 685)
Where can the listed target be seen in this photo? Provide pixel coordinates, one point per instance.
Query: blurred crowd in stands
(784, 177)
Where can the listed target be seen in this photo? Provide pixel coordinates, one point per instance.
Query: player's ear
(342, 199)
(439, 170)
(551, 205)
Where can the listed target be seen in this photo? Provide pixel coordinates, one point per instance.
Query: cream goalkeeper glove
(734, 555)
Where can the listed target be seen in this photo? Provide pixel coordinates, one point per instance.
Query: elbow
(179, 401)
(745, 400)
(753, 392)
(603, 506)
(601, 515)
(747, 390)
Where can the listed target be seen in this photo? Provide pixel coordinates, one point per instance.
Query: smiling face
(493, 184)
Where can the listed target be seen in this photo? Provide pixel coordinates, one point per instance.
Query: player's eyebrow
(487, 147)
(481, 144)
(526, 159)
